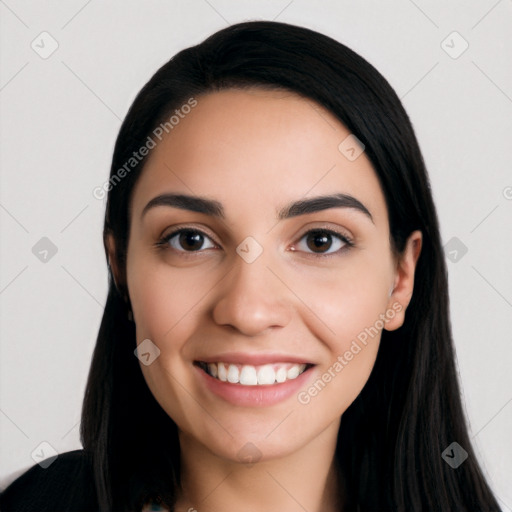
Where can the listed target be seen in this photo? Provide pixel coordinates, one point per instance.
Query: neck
(306, 480)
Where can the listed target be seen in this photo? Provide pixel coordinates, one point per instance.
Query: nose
(252, 298)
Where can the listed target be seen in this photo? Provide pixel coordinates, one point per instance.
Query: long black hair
(392, 436)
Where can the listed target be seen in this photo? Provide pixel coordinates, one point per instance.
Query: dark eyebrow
(302, 207)
(317, 204)
(186, 202)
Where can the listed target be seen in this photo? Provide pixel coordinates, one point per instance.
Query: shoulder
(67, 484)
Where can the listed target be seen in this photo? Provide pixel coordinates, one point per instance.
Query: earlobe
(401, 293)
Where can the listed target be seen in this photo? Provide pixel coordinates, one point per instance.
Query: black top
(66, 485)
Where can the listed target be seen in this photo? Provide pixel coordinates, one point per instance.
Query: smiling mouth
(249, 375)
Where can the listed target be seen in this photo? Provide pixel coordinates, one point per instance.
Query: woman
(276, 266)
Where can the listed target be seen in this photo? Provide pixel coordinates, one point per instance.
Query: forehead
(258, 147)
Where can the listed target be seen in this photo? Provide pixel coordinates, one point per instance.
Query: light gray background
(59, 120)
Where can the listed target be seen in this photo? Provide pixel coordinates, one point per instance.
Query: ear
(113, 262)
(404, 280)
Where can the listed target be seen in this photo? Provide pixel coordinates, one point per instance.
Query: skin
(255, 151)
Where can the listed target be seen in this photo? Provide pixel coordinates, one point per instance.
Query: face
(262, 283)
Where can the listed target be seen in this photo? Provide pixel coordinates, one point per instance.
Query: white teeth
(293, 372)
(248, 375)
(281, 375)
(266, 375)
(222, 374)
(212, 368)
(233, 374)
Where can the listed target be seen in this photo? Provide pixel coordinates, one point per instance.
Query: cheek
(352, 351)
(162, 300)
(165, 306)
(349, 299)
(350, 313)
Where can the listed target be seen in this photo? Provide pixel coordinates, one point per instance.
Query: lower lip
(254, 396)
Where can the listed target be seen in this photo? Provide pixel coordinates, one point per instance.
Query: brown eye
(190, 240)
(187, 240)
(318, 241)
(321, 241)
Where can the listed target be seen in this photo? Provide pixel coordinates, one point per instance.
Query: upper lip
(253, 359)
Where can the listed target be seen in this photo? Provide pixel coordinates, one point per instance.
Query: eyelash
(163, 243)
